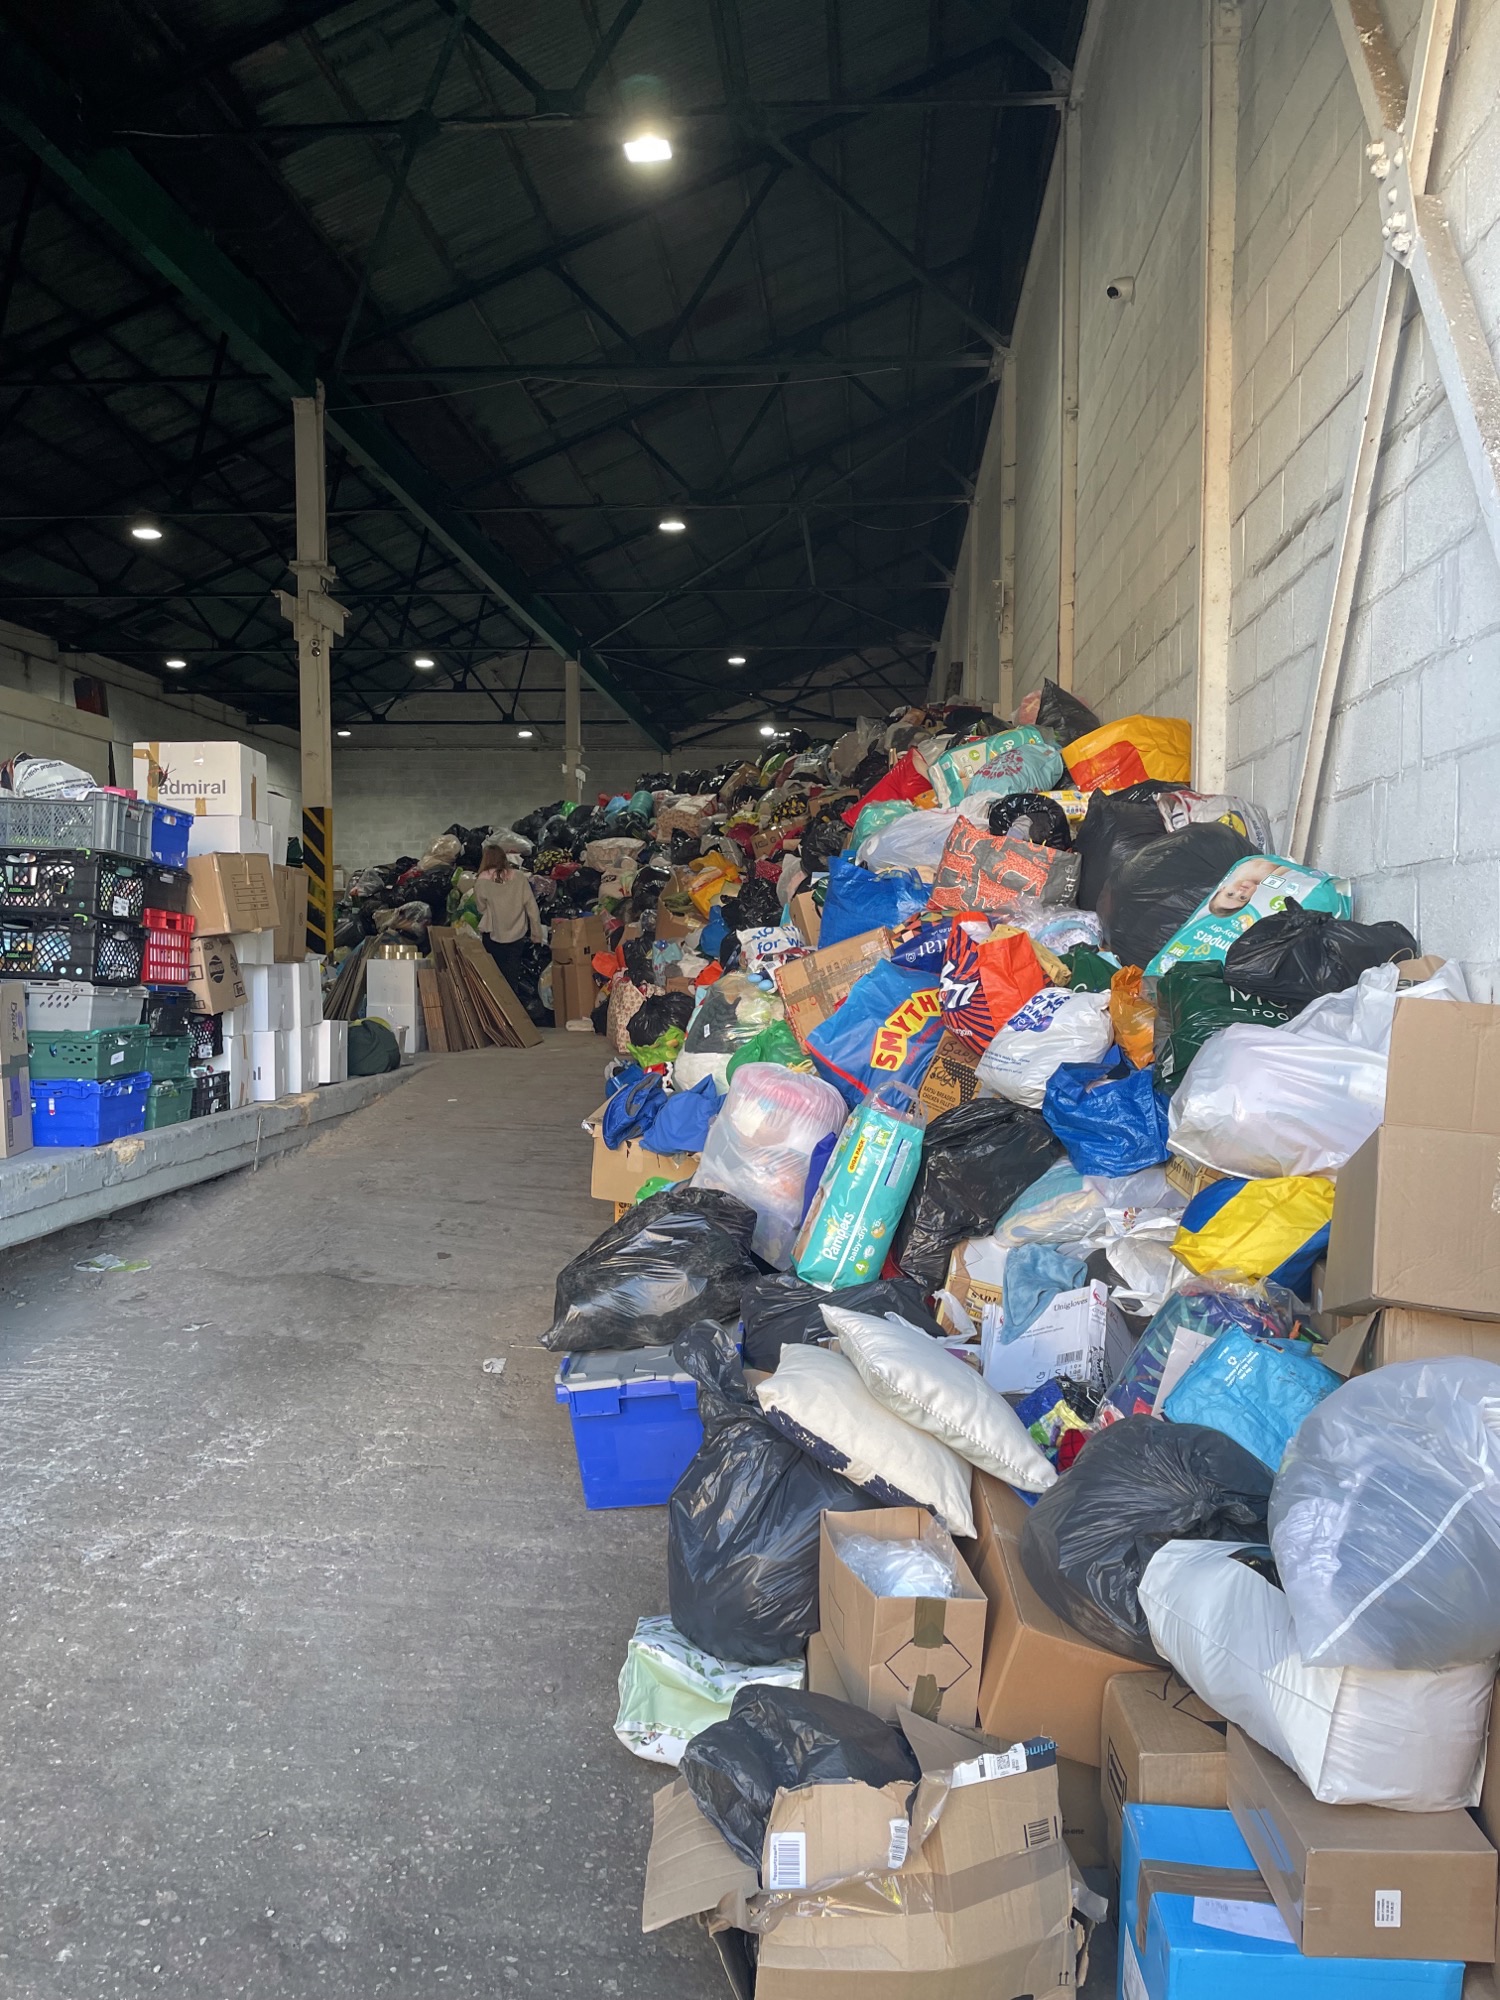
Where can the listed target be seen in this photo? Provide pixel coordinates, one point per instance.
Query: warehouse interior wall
(1409, 808)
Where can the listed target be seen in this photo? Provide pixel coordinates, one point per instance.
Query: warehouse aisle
(311, 1646)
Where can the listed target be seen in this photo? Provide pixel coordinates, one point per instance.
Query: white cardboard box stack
(391, 995)
(285, 1012)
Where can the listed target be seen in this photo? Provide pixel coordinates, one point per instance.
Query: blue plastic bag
(1255, 1391)
(846, 1235)
(887, 1031)
(858, 901)
(1107, 1115)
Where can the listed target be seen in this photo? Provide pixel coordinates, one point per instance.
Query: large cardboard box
(271, 998)
(224, 777)
(921, 1653)
(214, 977)
(813, 987)
(1415, 1221)
(619, 1173)
(574, 993)
(951, 1077)
(1040, 1677)
(231, 833)
(807, 918)
(1487, 1812)
(255, 948)
(267, 1067)
(1362, 1881)
(577, 938)
(979, 1905)
(1395, 1333)
(301, 1060)
(290, 941)
(332, 1042)
(231, 892)
(1159, 1745)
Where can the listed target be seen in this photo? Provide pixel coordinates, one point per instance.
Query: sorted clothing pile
(1072, 1224)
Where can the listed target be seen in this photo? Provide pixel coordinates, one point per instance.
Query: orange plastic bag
(984, 984)
(1128, 752)
(1132, 1016)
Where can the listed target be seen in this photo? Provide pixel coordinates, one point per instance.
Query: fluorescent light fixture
(671, 525)
(423, 665)
(524, 734)
(736, 659)
(176, 665)
(146, 531)
(648, 149)
(343, 732)
(768, 729)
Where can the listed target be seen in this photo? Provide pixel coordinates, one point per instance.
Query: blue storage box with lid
(71, 1111)
(1217, 1947)
(169, 836)
(635, 1424)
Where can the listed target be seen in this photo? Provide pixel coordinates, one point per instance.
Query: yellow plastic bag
(1127, 752)
(1256, 1226)
(712, 877)
(1132, 1016)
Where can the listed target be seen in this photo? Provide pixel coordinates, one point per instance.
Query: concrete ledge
(53, 1187)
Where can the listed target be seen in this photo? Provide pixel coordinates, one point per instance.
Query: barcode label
(788, 1865)
(993, 1764)
(900, 1841)
(1388, 1909)
(117, 1057)
(1040, 1831)
(1073, 1359)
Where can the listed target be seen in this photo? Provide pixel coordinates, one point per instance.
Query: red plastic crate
(169, 946)
(169, 920)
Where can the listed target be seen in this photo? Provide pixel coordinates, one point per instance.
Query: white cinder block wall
(1410, 807)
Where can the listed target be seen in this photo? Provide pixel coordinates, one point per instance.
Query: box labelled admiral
(205, 777)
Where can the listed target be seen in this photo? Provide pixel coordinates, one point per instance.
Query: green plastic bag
(775, 1043)
(1193, 1001)
(655, 1185)
(671, 1689)
(1092, 971)
(665, 1049)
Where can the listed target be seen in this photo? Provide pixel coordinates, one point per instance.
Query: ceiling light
(671, 525)
(648, 149)
(768, 729)
(176, 665)
(644, 107)
(145, 531)
(343, 732)
(736, 659)
(423, 665)
(524, 734)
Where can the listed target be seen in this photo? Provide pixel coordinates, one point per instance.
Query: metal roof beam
(38, 110)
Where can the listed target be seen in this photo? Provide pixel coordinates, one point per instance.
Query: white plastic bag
(1385, 1518)
(1361, 1015)
(916, 840)
(898, 1569)
(1263, 1102)
(759, 1145)
(1413, 1741)
(1054, 1027)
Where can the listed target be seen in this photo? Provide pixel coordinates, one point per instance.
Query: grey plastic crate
(104, 822)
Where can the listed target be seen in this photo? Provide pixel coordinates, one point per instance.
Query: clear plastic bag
(1385, 1520)
(759, 1146)
(899, 1569)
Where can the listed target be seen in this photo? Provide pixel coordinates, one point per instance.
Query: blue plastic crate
(635, 1424)
(68, 1111)
(169, 836)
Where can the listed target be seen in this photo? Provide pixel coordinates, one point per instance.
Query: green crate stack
(169, 1102)
(94, 1055)
(168, 1058)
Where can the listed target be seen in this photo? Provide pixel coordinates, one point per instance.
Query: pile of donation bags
(1020, 1162)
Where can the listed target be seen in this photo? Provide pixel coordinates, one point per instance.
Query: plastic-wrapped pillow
(917, 1379)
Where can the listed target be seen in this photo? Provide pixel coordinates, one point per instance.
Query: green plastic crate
(168, 1057)
(92, 1055)
(169, 1102)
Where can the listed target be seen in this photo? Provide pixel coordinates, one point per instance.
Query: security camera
(1120, 291)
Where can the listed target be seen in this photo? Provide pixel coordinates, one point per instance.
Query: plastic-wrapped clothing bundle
(1413, 1742)
(682, 1256)
(775, 1043)
(1153, 891)
(1251, 889)
(743, 1521)
(1258, 1392)
(1055, 1026)
(1188, 808)
(1064, 1206)
(976, 1159)
(758, 1147)
(1124, 753)
(781, 1309)
(1133, 1488)
(1385, 1521)
(1293, 957)
(778, 1740)
(1187, 1323)
(1016, 760)
(1194, 1001)
(898, 1569)
(671, 1690)
(846, 1235)
(916, 841)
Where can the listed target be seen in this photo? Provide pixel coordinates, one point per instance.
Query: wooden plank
(432, 1009)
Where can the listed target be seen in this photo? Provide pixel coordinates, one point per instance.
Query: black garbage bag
(975, 1160)
(1064, 714)
(639, 964)
(755, 905)
(870, 769)
(729, 951)
(658, 1012)
(352, 928)
(1034, 817)
(781, 1310)
(1116, 824)
(581, 888)
(778, 1739)
(645, 891)
(1154, 890)
(685, 847)
(1136, 1485)
(679, 1257)
(600, 1017)
(824, 836)
(743, 1520)
(1298, 954)
(430, 887)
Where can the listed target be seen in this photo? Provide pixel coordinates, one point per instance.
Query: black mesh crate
(168, 1009)
(90, 948)
(166, 888)
(207, 1031)
(210, 1093)
(73, 882)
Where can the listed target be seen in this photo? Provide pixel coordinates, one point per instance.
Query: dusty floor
(311, 1645)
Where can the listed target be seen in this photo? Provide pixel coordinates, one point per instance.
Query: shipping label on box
(921, 1653)
(231, 892)
(225, 777)
(814, 987)
(214, 977)
(1066, 1338)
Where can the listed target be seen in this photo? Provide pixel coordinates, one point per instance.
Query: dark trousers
(508, 957)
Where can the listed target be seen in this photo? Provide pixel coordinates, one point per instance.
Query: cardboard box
(822, 1669)
(1188, 1177)
(577, 938)
(1067, 1337)
(255, 948)
(1158, 1745)
(813, 987)
(1487, 1812)
(619, 1173)
(267, 1067)
(306, 980)
(214, 977)
(301, 1059)
(270, 998)
(951, 1078)
(986, 1895)
(229, 833)
(290, 941)
(279, 814)
(1397, 1334)
(232, 892)
(1362, 1881)
(1040, 1677)
(574, 994)
(15, 1109)
(203, 778)
(672, 930)
(1415, 1222)
(807, 918)
(896, 1653)
(331, 1040)
(14, 1047)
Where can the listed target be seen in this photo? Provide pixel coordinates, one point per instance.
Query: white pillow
(817, 1398)
(916, 1377)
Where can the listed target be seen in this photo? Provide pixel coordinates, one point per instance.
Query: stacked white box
(233, 1061)
(225, 833)
(301, 1048)
(332, 1043)
(306, 985)
(391, 995)
(267, 1066)
(270, 988)
(255, 948)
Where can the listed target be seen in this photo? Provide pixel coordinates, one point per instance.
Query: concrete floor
(311, 1645)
